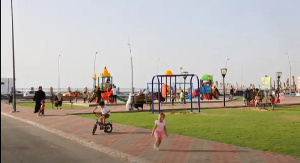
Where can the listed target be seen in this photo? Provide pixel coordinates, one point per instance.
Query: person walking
(42, 109)
(159, 129)
(182, 96)
(38, 97)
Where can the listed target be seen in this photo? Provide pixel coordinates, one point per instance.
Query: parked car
(29, 94)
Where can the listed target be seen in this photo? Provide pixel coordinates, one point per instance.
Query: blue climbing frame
(170, 76)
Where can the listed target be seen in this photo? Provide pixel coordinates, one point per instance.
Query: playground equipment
(206, 83)
(170, 75)
(105, 87)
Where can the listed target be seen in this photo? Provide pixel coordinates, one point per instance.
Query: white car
(29, 94)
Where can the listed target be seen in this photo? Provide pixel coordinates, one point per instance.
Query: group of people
(256, 96)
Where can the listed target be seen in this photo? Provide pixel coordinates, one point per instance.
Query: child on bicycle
(159, 129)
(104, 112)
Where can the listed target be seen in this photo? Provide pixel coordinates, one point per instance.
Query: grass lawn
(276, 131)
(49, 105)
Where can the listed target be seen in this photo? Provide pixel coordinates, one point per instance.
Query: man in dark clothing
(38, 97)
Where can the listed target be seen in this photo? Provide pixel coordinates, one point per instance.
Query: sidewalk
(134, 144)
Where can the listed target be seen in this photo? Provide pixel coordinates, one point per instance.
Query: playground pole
(131, 69)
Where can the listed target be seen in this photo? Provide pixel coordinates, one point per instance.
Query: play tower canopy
(105, 73)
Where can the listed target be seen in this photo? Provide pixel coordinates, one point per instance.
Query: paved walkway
(134, 144)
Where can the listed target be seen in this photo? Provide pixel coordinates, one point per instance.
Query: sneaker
(157, 148)
(154, 146)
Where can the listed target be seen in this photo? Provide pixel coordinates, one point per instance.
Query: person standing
(182, 96)
(84, 96)
(98, 92)
(58, 100)
(38, 97)
(75, 96)
(231, 93)
(114, 93)
(10, 98)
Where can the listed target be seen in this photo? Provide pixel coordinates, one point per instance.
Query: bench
(138, 101)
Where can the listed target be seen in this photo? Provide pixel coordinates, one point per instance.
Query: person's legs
(37, 106)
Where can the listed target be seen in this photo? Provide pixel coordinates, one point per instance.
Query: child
(104, 111)
(42, 109)
(257, 100)
(173, 98)
(159, 129)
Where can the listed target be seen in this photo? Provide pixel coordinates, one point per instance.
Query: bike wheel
(108, 128)
(94, 129)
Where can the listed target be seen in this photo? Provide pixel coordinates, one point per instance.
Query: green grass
(276, 131)
(49, 105)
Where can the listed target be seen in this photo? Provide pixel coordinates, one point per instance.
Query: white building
(6, 85)
(298, 85)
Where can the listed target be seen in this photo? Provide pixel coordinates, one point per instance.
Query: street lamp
(278, 75)
(131, 69)
(157, 66)
(95, 70)
(290, 72)
(13, 52)
(58, 73)
(223, 72)
(184, 77)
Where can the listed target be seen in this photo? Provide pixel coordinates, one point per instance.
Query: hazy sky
(164, 34)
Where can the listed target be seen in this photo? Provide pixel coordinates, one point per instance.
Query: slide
(165, 90)
(108, 96)
(194, 93)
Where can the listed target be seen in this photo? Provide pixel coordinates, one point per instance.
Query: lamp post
(181, 68)
(223, 72)
(184, 77)
(131, 68)
(95, 70)
(278, 75)
(290, 72)
(157, 66)
(58, 73)
(13, 52)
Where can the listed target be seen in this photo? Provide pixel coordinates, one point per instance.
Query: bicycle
(107, 127)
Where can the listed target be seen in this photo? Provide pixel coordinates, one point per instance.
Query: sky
(251, 38)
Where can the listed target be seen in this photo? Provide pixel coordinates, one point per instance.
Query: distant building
(298, 85)
(6, 85)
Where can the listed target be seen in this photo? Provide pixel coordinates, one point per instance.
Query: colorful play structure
(207, 91)
(105, 86)
(167, 88)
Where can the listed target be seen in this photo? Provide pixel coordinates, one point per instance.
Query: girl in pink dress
(159, 129)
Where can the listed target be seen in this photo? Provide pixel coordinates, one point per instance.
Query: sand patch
(293, 118)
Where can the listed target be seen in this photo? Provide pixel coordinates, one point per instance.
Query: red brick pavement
(134, 144)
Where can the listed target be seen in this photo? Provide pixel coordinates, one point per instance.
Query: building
(6, 85)
(298, 85)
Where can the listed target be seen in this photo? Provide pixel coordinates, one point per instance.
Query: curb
(109, 151)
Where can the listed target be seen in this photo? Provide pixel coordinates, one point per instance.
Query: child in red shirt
(42, 109)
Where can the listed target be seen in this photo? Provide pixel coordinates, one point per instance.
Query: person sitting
(257, 100)
(104, 112)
